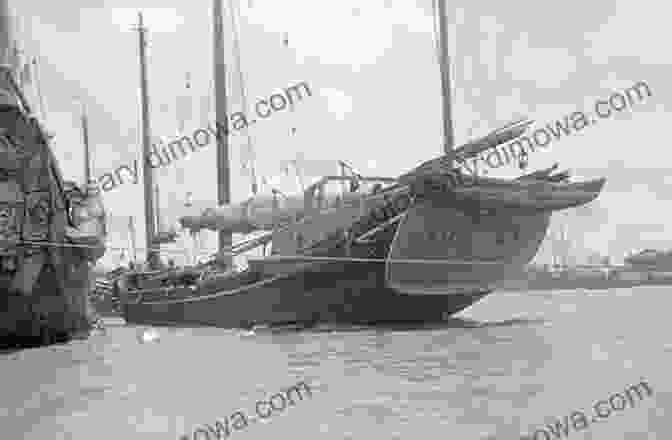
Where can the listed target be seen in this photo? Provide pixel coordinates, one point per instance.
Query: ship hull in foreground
(321, 294)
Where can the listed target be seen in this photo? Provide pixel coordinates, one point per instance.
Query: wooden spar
(223, 172)
(444, 66)
(147, 173)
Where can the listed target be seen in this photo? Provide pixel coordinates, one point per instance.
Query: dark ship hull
(49, 230)
(48, 314)
(321, 294)
(48, 237)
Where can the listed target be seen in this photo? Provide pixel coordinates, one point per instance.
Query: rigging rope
(38, 89)
(250, 162)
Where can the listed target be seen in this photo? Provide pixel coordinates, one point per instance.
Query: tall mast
(158, 215)
(146, 168)
(131, 237)
(223, 173)
(85, 139)
(6, 34)
(444, 65)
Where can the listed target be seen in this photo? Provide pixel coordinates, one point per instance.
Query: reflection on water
(510, 363)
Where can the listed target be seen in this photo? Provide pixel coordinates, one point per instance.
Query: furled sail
(260, 212)
(444, 164)
(493, 193)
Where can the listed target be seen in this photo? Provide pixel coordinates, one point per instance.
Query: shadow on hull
(25, 327)
(42, 318)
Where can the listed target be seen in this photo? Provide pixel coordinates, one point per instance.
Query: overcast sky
(376, 100)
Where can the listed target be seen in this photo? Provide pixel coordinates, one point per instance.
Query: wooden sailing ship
(415, 248)
(50, 229)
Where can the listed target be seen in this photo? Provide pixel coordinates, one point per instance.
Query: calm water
(510, 364)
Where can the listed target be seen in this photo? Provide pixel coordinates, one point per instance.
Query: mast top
(444, 67)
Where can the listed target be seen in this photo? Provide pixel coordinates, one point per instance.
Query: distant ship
(584, 278)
